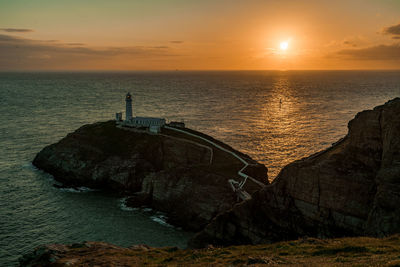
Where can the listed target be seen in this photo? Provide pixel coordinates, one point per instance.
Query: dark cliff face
(351, 188)
(166, 172)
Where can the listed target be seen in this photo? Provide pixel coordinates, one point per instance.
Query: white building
(128, 101)
(152, 124)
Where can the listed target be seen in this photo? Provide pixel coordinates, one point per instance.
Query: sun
(284, 45)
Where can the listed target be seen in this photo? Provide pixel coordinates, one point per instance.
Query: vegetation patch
(334, 251)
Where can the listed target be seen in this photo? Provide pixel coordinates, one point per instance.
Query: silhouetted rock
(351, 188)
(167, 172)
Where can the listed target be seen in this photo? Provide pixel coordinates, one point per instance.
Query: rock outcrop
(169, 172)
(351, 188)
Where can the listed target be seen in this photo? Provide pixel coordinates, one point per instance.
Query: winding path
(236, 186)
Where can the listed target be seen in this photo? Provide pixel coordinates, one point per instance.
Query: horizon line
(199, 70)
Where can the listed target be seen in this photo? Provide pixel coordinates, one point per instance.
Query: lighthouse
(128, 101)
(153, 125)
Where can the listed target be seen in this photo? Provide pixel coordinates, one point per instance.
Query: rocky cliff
(351, 188)
(171, 172)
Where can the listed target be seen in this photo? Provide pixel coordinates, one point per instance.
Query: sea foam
(161, 219)
(81, 189)
(124, 207)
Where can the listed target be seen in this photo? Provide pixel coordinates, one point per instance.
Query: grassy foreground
(360, 251)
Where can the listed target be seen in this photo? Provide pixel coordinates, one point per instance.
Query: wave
(157, 217)
(81, 189)
(161, 219)
(124, 207)
(29, 165)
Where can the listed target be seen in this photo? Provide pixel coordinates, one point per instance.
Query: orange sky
(199, 35)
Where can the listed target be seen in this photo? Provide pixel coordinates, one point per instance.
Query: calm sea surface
(275, 117)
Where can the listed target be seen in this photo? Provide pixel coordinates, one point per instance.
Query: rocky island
(349, 189)
(180, 174)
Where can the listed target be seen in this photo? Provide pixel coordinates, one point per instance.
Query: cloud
(393, 30)
(349, 43)
(177, 42)
(73, 44)
(22, 53)
(385, 52)
(16, 30)
(160, 47)
(379, 52)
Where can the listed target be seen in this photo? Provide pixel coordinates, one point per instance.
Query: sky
(199, 35)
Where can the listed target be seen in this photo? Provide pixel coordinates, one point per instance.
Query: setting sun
(284, 45)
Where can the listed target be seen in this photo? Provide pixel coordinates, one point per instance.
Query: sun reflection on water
(278, 116)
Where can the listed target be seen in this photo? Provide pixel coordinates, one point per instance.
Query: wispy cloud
(349, 43)
(16, 53)
(379, 52)
(393, 30)
(177, 42)
(160, 47)
(355, 49)
(75, 44)
(16, 30)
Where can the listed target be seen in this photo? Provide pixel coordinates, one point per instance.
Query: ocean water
(275, 117)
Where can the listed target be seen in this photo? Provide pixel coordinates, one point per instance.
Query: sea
(275, 117)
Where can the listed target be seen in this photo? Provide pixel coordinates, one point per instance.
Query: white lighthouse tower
(128, 101)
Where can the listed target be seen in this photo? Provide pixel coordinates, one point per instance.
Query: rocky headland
(350, 189)
(172, 172)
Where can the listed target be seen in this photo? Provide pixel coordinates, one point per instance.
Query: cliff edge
(351, 188)
(359, 251)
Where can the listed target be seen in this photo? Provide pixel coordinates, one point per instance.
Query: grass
(334, 251)
(223, 163)
(109, 140)
(358, 251)
(219, 156)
